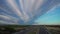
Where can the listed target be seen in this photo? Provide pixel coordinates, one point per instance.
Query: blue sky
(51, 17)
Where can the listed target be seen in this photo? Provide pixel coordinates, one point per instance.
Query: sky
(30, 12)
(52, 17)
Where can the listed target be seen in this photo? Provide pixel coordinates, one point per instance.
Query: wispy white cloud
(8, 19)
(14, 6)
(5, 10)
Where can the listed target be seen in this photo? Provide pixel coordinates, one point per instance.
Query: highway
(34, 30)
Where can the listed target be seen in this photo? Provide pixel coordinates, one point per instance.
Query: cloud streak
(8, 19)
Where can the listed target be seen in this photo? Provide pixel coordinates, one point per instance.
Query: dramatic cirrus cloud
(25, 11)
